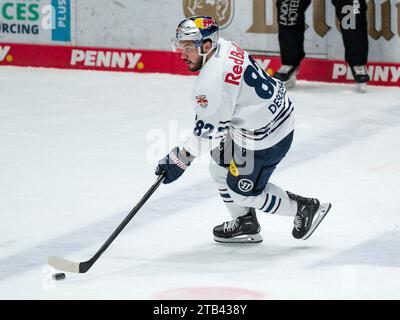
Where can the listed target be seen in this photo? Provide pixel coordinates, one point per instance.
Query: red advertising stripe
(381, 73)
(132, 60)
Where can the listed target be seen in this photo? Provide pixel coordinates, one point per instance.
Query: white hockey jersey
(233, 95)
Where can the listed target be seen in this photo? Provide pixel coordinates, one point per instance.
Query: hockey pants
(242, 178)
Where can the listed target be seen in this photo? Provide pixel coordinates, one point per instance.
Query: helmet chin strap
(204, 55)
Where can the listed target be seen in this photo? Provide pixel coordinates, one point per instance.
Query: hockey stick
(82, 267)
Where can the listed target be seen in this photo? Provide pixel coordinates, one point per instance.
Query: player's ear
(207, 44)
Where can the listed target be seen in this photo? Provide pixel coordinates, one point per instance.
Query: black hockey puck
(58, 276)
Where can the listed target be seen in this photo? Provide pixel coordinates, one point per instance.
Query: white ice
(78, 149)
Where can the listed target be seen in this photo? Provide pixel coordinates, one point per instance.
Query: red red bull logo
(202, 101)
(203, 23)
(237, 56)
(208, 23)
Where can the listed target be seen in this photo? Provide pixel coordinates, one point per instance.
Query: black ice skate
(310, 213)
(241, 230)
(361, 77)
(287, 74)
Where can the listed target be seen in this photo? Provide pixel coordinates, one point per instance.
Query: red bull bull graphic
(202, 101)
(204, 23)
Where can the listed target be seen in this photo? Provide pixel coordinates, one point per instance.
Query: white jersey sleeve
(213, 108)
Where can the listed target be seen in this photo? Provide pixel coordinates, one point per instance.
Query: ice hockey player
(246, 120)
(291, 24)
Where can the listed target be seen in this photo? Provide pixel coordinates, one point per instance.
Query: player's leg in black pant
(353, 24)
(291, 23)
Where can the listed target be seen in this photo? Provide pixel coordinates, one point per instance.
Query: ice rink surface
(78, 149)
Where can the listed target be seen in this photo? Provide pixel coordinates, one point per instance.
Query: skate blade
(291, 83)
(248, 238)
(362, 87)
(320, 215)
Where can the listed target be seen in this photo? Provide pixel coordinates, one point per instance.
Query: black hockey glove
(174, 164)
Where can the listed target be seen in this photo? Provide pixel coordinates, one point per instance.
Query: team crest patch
(202, 101)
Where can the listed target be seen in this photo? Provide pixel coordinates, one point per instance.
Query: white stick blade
(63, 264)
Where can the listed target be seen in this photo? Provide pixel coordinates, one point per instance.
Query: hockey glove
(174, 164)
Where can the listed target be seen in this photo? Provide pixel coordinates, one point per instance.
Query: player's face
(190, 54)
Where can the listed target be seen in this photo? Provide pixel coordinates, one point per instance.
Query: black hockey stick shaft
(85, 266)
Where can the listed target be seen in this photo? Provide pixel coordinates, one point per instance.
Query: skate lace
(285, 69)
(298, 221)
(231, 225)
(360, 70)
